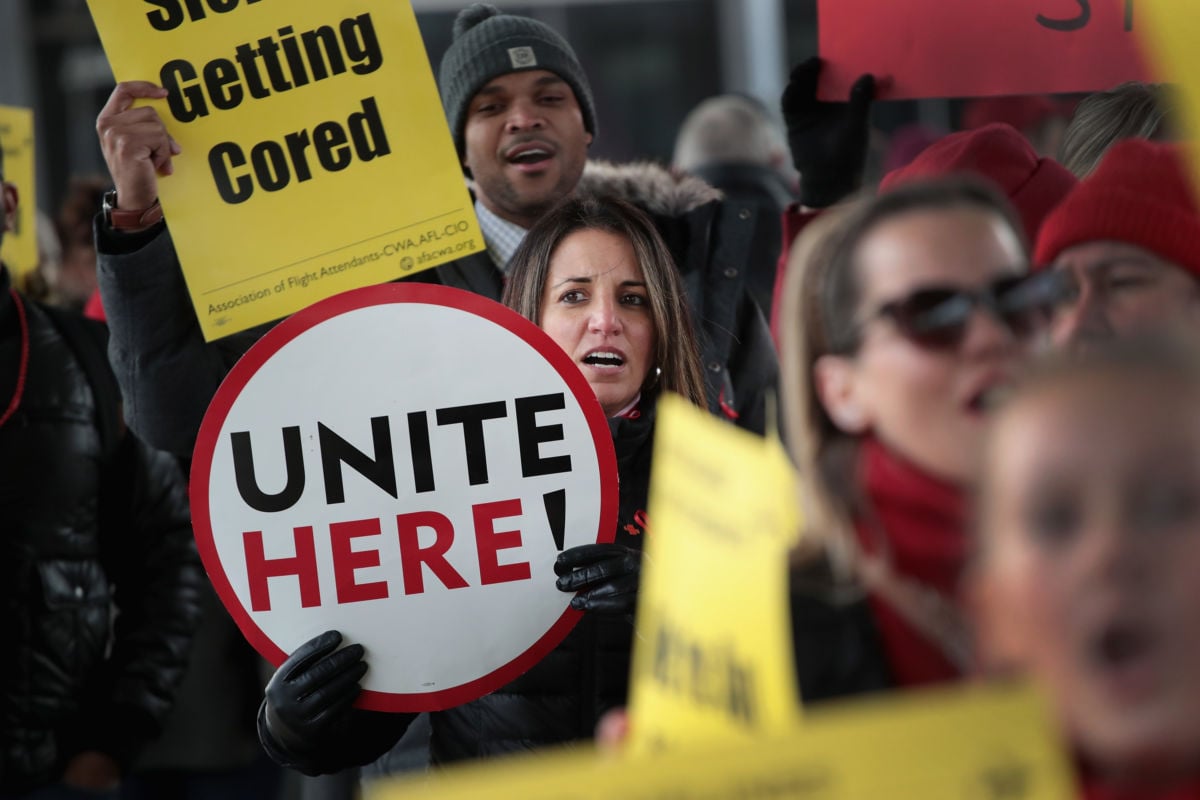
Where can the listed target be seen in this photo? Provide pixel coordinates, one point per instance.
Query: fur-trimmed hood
(647, 185)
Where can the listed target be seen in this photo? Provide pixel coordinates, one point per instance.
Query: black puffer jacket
(558, 700)
(82, 532)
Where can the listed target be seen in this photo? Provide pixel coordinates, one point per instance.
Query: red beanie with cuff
(999, 153)
(1140, 194)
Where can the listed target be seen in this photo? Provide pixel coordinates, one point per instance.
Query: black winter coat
(559, 700)
(82, 532)
(762, 191)
(835, 640)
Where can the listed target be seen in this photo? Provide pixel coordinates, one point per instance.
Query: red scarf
(919, 528)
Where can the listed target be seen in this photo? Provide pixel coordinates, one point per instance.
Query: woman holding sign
(596, 276)
(909, 315)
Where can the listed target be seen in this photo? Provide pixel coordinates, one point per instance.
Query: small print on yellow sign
(315, 153)
(19, 249)
(713, 658)
(975, 743)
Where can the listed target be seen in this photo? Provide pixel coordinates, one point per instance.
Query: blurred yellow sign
(976, 743)
(1169, 42)
(19, 249)
(713, 660)
(316, 156)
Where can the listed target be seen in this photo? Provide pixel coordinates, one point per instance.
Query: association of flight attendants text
(397, 247)
(257, 70)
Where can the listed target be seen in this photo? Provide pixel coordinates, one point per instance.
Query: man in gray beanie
(521, 114)
(489, 44)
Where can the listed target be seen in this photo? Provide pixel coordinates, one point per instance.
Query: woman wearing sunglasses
(906, 317)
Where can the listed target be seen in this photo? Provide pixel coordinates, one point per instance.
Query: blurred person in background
(903, 323)
(1088, 551)
(1126, 243)
(95, 522)
(33, 283)
(732, 143)
(74, 283)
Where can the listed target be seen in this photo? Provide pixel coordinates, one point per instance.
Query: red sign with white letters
(403, 463)
(978, 48)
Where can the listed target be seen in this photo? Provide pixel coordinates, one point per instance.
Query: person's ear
(10, 206)
(839, 388)
(587, 138)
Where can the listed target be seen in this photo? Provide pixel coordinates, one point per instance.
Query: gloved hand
(605, 575)
(828, 140)
(309, 697)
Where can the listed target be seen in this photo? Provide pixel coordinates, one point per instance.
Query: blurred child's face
(1089, 576)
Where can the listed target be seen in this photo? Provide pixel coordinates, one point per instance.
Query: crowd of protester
(988, 384)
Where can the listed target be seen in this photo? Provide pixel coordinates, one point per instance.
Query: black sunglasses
(937, 317)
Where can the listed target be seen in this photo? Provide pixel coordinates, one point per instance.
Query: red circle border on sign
(288, 330)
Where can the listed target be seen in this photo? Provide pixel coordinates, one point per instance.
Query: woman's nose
(605, 318)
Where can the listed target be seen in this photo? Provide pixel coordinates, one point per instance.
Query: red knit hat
(1140, 194)
(1001, 154)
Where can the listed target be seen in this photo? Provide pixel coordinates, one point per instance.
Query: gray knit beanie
(489, 43)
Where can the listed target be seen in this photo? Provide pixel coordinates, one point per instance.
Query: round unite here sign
(403, 463)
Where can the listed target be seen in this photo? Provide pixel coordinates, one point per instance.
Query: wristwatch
(124, 219)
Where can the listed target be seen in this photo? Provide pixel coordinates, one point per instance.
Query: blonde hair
(1132, 110)
(806, 425)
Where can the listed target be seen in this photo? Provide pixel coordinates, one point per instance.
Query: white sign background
(387, 351)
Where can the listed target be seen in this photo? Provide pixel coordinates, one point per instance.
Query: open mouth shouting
(1125, 655)
(604, 360)
(531, 156)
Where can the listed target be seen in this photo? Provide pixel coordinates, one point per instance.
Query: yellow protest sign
(19, 249)
(315, 154)
(1169, 41)
(978, 743)
(713, 658)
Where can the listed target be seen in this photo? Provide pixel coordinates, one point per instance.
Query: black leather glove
(308, 699)
(828, 140)
(605, 575)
